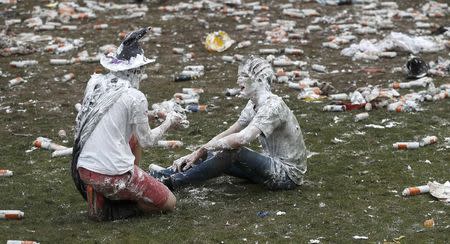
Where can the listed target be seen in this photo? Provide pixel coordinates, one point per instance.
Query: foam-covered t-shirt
(281, 136)
(107, 150)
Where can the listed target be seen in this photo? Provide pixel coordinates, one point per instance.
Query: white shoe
(155, 167)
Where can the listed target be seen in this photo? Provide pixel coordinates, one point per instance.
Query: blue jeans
(243, 163)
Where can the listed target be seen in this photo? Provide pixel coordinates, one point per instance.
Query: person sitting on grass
(111, 127)
(282, 163)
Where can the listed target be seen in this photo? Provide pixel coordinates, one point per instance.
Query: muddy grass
(352, 187)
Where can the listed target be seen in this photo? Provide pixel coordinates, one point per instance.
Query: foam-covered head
(253, 74)
(129, 54)
(133, 76)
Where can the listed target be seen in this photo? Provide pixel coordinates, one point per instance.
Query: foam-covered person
(282, 162)
(111, 128)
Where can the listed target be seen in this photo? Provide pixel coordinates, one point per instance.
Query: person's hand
(184, 163)
(174, 119)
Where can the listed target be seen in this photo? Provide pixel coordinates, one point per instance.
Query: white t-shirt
(107, 150)
(281, 137)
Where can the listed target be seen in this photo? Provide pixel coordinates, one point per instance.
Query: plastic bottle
(231, 92)
(170, 144)
(42, 142)
(24, 63)
(16, 81)
(77, 107)
(60, 61)
(196, 108)
(297, 86)
(68, 27)
(428, 140)
(319, 68)
(21, 242)
(184, 96)
(415, 190)
(293, 51)
(339, 96)
(100, 26)
(178, 50)
(334, 108)
(192, 90)
(11, 214)
(243, 44)
(229, 59)
(361, 116)
(62, 152)
(5, 173)
(179, 78)
(68, 77)
(397, 106)
(368, 106)
(268, 51)
(406, 145)
(188, 101)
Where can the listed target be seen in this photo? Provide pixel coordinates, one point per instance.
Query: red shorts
(135, 186)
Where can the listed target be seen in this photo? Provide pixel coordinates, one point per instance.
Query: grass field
(353, 187)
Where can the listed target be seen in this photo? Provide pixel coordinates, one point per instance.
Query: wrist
(202, 150)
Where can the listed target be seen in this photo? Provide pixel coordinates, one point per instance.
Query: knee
(170, 203)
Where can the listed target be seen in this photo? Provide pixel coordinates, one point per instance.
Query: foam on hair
(257, 69)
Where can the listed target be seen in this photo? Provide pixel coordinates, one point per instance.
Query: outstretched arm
(235, 140)
(232, 138)
(149, 137)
